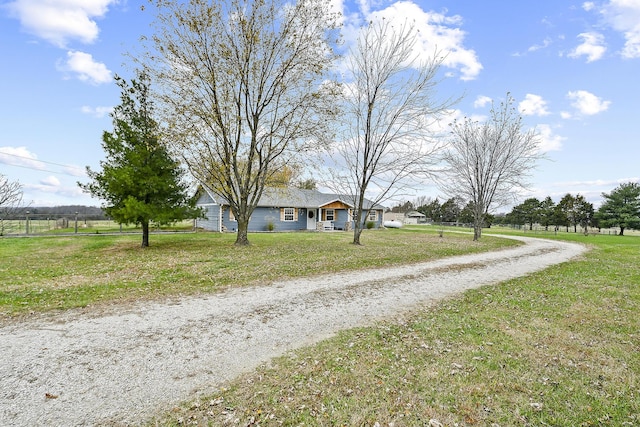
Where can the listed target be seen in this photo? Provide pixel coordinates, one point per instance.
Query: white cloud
(481, 101)
(588, 6)
(592, 47)
(97, 112)
(437, 32)
(51, 181)
(587, 103)
(548, 140)
(533, 105)
(74, 171)
(85, 68)
(20, 156)
(60, 21)
(545, 43)
(624, 17)
(72, 191)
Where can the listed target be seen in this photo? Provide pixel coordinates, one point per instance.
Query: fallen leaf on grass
(50, 396)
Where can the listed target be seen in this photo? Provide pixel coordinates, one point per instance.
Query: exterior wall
(262, 216)
(394, 216)
(342, 217)
(212, 212)
(378, 221)
(212, 220)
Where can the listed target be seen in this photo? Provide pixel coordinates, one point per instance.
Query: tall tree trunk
(477, 232)
(621, 231)
(145, 233)
(478, 220)
(357, 221)
(357, 231)
(242, 238)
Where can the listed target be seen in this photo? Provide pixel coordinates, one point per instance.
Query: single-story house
(415, 217)
(286, 209)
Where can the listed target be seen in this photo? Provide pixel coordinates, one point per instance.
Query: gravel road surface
(123, 365)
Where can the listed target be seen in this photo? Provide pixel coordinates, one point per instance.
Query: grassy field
(560, 348)
(39, 274)
(556, 348)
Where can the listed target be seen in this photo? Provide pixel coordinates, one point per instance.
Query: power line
(42, 161)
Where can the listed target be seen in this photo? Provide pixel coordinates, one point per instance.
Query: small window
(330, 215)
(373, 216)
(289, 214)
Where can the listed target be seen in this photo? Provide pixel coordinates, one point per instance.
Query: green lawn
(556, 348)
(39, 274)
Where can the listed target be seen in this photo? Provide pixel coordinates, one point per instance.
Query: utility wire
(42, 161)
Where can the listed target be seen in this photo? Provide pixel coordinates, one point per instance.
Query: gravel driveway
(123, 366)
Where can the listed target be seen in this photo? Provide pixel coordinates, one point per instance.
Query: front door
(311, 219)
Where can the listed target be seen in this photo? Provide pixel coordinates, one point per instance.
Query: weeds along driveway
(124, 366)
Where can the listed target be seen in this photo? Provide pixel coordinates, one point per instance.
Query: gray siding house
(286, 209)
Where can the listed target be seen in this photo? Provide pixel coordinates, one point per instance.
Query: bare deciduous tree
(243, 87)
(10, 199)
(486, 161)
(389, 107)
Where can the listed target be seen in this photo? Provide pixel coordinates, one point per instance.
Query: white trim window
(232, 217)
(373, 215)
(289, 214)
(330, 215)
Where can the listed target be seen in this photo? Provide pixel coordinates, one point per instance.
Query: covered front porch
(332, 216)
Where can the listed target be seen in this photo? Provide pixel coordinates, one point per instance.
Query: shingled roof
(299, 198)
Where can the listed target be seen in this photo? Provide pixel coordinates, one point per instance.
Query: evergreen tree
(547, 212)
(530, 211)
(621, 208)
(139, 182)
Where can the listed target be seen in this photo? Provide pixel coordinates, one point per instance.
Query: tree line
(86, 212)
(620, 209)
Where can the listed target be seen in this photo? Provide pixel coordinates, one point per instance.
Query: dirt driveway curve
(122, 367)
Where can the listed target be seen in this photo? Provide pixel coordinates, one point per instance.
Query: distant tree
(451, 209)
(566, 211)
(621, 208)
(573, 211)
(547, 212)
(583, 213)
(501, 219)
(486, 161)
(387, 144)
(563, 211)
(243, 87)
(139, 181)
(307, 184)
(466, 214)
(10, 199)
(432, 210)
(529, 210)
(420, 201)
(403, 207)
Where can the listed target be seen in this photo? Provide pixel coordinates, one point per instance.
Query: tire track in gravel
(122, 367)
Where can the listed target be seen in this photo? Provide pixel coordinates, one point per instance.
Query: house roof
(298, 198)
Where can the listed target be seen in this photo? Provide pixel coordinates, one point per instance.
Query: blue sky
(572, 67)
